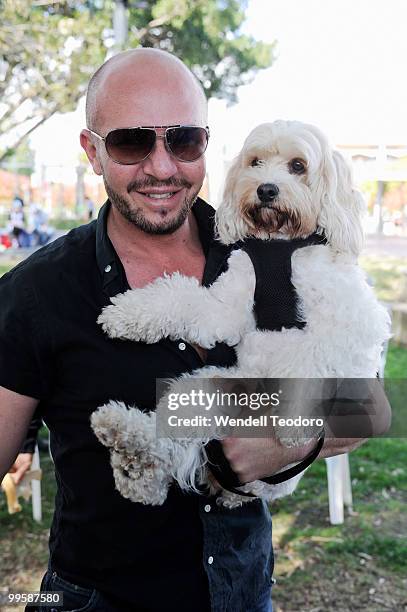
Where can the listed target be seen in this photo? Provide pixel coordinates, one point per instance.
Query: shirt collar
(111, 269)
(109, 264)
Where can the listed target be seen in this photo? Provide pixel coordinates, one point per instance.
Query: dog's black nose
(267, 192)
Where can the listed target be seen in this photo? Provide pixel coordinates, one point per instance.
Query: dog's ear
(341, 205)
(227, 214)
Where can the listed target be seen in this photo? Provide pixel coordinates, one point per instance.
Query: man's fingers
(21, 465)
(18, 474)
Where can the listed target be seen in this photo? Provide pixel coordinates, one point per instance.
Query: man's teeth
(160, 196)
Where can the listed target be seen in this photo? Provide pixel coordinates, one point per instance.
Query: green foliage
(369, 188)
(396, 362)
(4, 268)
(49, 50)
(65, 224)
(20, 160)
(206, 35)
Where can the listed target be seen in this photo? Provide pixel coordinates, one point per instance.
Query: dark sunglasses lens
(187, 143)
(130, 146)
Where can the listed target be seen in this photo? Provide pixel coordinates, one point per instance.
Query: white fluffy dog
(285, 184)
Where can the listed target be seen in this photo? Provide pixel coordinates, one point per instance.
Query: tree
(50, 48)
(206, 35)
(45, 61)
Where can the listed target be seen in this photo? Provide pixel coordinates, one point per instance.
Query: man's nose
(160, 163)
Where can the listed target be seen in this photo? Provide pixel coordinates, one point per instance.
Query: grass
(24, 542)
(8, 261)
(387, 275)
(362, 564)
(4, 268)
(396, 362)
(66, 224)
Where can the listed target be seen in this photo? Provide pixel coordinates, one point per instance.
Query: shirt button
(182, 346)
(207, 508)
(108, 268)
(210, 560)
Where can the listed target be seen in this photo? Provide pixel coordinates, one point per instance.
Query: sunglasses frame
(154, 128)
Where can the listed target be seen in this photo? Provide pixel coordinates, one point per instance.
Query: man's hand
(21, 465)
(256, 458)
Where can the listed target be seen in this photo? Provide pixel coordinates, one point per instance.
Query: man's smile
(160, 197)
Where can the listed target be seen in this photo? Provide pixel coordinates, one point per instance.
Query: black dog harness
(275, 308)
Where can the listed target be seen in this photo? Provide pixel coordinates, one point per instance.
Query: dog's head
(287, 182)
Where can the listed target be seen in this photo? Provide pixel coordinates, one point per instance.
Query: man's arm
(16, 412)
(25, 456)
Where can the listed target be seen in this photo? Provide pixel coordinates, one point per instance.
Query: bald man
(146, 136)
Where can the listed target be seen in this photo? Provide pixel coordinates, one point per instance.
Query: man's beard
(136, 216)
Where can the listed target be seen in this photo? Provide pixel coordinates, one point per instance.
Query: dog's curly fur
(345, 325)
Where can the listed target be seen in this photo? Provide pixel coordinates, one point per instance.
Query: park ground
(360, 565)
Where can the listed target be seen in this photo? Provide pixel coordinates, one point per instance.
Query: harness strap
(275, 298)
(275, 307)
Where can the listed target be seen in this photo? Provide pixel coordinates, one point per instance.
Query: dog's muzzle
(267, 192)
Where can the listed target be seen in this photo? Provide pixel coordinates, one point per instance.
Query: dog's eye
(256, 162)
(297, 166)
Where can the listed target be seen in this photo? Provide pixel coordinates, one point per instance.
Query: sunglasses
(127, 146)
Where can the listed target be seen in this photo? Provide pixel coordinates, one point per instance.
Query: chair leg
(36, 489)
(347, 483)
(335, 489)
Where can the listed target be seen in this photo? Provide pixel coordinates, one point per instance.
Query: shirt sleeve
(25, 351)
(28, 446)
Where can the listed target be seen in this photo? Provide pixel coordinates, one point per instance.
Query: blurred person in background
(41, 231)
(89, 207)
(17, 223)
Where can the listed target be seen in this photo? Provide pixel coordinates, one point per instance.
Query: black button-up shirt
(187, 554)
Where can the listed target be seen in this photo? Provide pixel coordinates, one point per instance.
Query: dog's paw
(108, 422)
(110, 320)
(135, 315)
(126, 430)
(142, 479)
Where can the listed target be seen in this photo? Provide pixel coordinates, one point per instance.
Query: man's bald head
(139, 68)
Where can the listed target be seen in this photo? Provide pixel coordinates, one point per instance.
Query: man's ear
(91, 151)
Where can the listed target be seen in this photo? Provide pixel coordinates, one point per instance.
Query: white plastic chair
(339, 487)
(338, 473)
